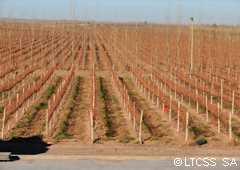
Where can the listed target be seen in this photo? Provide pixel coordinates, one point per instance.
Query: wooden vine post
(158, 97)
(211, 93)
(230, 125)
(178, 121)
(152, 97)
(206, 110)
(233, 102)
(2, 92)
(175, 87)
(140, 128)
(187, 114)
(134, 123)
(47, 121)
(170, 109)
(91, 116)
(50, 126)
(189, 96)
(163, 107)
(218, 120)
(211, 73)
(191, 66)
(49, 104)
(170, 90)
(197, 101)
(221, 93)
(165, 85)
(23, 92)
(161, 81)
(3, 125)
(149, 92)
(16, 115)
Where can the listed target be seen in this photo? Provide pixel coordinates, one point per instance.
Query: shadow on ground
(27, 146)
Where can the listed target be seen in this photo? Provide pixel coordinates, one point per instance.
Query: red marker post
(165, 110)
(214, 121)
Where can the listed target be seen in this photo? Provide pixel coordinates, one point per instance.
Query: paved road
(68, 164)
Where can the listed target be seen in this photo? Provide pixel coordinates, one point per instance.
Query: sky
(225, 12)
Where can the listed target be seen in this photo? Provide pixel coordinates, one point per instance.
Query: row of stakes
(230, 113)
(187, 114)
(165, 111)
(140, 125)
(28, 104)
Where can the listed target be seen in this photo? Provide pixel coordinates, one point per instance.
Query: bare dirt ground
(118, 149)
(112, 148)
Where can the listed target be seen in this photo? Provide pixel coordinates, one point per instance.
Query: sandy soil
(117, 149)
(112, 148)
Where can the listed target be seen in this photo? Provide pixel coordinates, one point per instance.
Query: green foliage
(103, 95)
(107, 138)
(100, 90)
(235, 131)
(83, 107)
(21, 124)
(145, 125)
(196, 131)
(140, 102)
(30, 115)
(64, 124)
(58, 79)
(61, 136)
(216, 139)
(81, 137)
(154, 138)
(75, 89)
(130, 93)
(69, 108)
(124, 132)
(1, 109)
(71, 102)
(200, 138)
(125, 139)
(49, 92)
(201, 109)
(227, 106)
(167, 141)
(36, 78)
(13, 135)
(40, 105)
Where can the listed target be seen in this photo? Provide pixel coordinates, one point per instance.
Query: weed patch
(31, 115)
(105, 110)
(64, 124)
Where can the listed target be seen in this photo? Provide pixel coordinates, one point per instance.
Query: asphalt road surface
(69, 164)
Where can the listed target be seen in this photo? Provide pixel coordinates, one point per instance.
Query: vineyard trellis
(121, 49)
